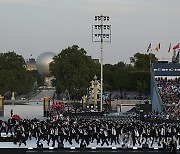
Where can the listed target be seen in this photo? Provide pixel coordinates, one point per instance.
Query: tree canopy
(13, 74)
(73, 70)
(142, 61)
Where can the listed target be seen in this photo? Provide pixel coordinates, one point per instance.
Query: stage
(79, 151)
(8, 147)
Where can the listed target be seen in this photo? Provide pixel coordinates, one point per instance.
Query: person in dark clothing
(83, 145)
(51, 135)
(173, 147)
(9, 126)
(11, 113)
(2, 127)
(164, 145)
(113, 135)
(61, 135)
(104, 137)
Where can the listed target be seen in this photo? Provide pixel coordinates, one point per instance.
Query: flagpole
(149, 49)
(174, 56)
(150, 63)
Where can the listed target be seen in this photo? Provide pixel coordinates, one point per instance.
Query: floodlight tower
(101, 33)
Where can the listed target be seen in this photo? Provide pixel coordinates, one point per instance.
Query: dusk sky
(36, 26)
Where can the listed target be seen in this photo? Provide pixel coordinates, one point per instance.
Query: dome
(43, 61)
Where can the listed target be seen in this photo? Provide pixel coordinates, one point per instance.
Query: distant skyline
(36, 26)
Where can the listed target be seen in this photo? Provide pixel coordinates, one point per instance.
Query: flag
(169, 47)
(158, 47)
(176, 46)
(149, 47)
(177, 57)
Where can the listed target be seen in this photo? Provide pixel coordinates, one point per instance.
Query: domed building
(31, 64)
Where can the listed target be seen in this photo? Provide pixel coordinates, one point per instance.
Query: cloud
(109, 6)
(133, 7)
(21, 1)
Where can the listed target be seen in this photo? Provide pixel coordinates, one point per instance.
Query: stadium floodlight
(101, 33)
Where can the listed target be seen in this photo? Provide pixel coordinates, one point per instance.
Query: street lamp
(101, 33)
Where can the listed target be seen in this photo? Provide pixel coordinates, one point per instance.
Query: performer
(104, 137)
(173, 147)
(113, 135)
(11, 112)
(3, 127)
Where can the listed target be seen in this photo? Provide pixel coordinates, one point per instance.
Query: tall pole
(101, 104)
(104, 37)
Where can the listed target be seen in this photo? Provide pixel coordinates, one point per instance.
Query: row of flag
(157, 48)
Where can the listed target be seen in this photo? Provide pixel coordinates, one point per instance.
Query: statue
(13, 97)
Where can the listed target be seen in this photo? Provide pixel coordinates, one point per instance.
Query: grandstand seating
(164, 71)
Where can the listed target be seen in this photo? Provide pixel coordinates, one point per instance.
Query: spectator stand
(161, 70)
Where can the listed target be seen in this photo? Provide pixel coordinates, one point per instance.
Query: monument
(94, 98)
(13, 96)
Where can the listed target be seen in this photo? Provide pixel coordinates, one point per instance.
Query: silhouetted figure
(173, 147)
(11, 112)
(83, 145)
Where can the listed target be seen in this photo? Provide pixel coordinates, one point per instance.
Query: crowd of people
(102, 131)
(57, 108)
(169, 90)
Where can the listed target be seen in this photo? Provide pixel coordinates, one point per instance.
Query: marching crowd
(169, 90)
(101, 131)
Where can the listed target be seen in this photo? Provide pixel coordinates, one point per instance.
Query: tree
(35, 74)
(12, 61)
(141, 86)
(108, 76)
(142, 61)
(13, 74)
(140, 75)
(136, 76)
(121, 77)
(73, 70)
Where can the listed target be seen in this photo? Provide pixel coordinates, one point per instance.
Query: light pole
(101, 33)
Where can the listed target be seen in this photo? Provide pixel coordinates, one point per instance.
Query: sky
(36, 26)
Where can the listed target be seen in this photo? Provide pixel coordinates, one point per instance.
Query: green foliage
(141, 86)
(108, 80)
(11, 61)
(35, 74)
(142, 61)
(13, 74)
(139, 76)
(120, 77)
(73, 70)
(129, 77)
